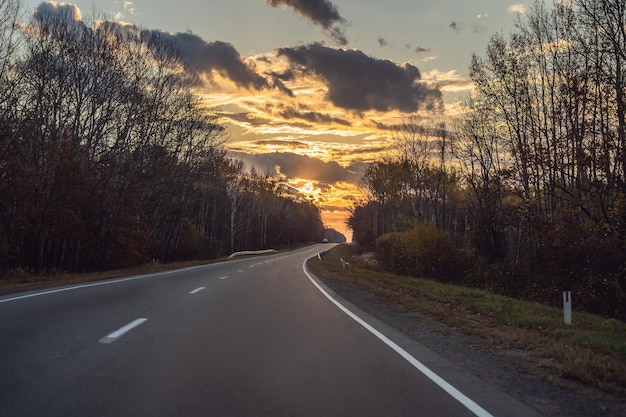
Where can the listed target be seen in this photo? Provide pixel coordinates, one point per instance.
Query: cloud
(382, 41)
(201, 57)
(455, 26)
(246, 118)
(419, 49)
(321, 12)
(294, 166)
(517, 8)
(127, 7)
(359, 82)
(458, 27)
(65, 12)
(294, 144)
(205, 58)
(313, 117)
(348, 79)
(449, 81)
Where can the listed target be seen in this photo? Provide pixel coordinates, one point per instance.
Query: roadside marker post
(567, 307)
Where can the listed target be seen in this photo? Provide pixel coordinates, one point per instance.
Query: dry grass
(20, 280)
(591, 351)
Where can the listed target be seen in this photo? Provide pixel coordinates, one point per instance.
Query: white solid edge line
(110, 281)
(96, 284)
(442, 383)
(111, 337)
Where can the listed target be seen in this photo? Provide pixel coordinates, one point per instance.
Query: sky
(310, 88)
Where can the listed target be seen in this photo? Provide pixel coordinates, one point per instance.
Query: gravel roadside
(511, 370)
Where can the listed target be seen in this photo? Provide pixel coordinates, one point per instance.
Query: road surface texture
(250, 337)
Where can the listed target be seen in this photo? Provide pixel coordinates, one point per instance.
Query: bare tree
(10, 41)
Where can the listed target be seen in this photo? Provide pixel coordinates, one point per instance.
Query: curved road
(249, 337)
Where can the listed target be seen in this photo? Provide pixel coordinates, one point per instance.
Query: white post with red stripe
(567, 307)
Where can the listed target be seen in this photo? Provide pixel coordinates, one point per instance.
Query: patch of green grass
(595, 331)
(592, 350)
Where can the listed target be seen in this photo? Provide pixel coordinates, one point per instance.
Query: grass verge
(591, 351)
(19, 280)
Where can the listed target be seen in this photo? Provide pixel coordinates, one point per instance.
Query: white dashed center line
(197, 290)
(224, 277)
(112, 337)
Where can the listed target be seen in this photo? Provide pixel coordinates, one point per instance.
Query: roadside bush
(422, 251)
(392, 254)
(196, 246)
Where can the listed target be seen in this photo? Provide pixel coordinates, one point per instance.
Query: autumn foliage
(530, 182)
(109, 159)
(422, 251)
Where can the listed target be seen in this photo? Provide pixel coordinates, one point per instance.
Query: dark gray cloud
(359, 82)
(279, 78)
(354, 80)
(419, 49)
(201, 57)
(321, 12)
(382, 41)
(381, 125)
(250, 118)
(291, 143)
(282, 87)
(298, 166)
(287, 75)
(313, 117)
(455, 26)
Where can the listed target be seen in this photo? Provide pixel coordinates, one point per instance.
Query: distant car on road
(324, 240)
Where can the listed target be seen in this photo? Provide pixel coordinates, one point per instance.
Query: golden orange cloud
(293, 126)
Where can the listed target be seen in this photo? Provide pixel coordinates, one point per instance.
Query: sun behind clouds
(318, 113)
(312, 124)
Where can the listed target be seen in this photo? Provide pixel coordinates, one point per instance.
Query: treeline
(526, 194)
(108, 158)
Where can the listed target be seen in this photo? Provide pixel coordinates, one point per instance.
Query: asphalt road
(249, 337)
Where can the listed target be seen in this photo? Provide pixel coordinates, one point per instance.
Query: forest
(108, 158)
(525, 193)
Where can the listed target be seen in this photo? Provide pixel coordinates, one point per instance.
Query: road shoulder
(507, 370)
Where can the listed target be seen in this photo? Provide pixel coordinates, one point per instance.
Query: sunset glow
(310, 96)
(318, 147)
